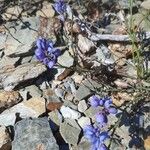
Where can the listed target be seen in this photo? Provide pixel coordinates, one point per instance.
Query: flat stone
(84, 121)
(20, 74)
(2, 40)
(31, 108)
(66, 60)
(5, 140)
(91, 112)
(146, 4)
(85, 44)
(19, 44)
(6, 62)
(34, 134)
(70, 134)
(8, 99)
(82, 92)
(82, 106)
(33, 91)
(67, 112)
(46, 11)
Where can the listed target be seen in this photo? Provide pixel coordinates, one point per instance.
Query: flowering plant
(46, 52)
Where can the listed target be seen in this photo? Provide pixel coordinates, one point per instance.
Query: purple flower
(60, 6)
(102, 147)
(112, 110)
(108, 103)
(103, 136)
(101, 118)
(94, 101)
(46, 53)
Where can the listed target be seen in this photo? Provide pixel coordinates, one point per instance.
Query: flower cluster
(60, 6)
(92, 133)
(96, 137)
(46, 52)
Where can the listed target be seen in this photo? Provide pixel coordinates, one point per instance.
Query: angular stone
(82, 106)
(31, 108)
(34, 134)
(5, 140)
(69, 113)
(20, 74)
(82, 92)
(146, 4)
(69, 133)
(33, 91)
(19, 44)
(66, 60)
(84, 121)
(8, 99)
(2, 41)
(6, 62)
(85, 44)
(46, 11)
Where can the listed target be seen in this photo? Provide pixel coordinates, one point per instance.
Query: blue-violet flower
(46, 52)
(60, 6)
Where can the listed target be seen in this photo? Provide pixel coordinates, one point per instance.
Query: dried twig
(110, 37)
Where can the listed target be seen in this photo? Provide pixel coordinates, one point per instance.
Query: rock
(84, 144)
(146, 4)
(20, 74)
(2, 40)
(82, 106)
(31, 108)
(12, 13)
(8, 99)
(72, 122)
(55, 116)
(91, 112)
(69, 133)
(6, 62)
(26, 59)
(60, 92)
(85, 44)
(84, 121)
(46, 11)
(24, 94)
(69, 113)
(82, 92)
(33, 91)
(19, 44)
(34, 134)
(5, 140)
(66, 56)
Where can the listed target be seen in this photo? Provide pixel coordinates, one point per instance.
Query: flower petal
(51, 64)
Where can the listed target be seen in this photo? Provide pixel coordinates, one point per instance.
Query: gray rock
(66, 60)
(146, 4)
(69, 133)
(67, 112)
(20, 74)
(26, 59)
(34, 134)
(2, 40)
(82, 106)
(33, 91)
(8, 62)
(34, 107)
(82, 92)
(24, 36)
(84, 121)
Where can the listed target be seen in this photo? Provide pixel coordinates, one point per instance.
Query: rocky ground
(47, 109)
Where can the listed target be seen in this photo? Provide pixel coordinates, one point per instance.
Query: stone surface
(31, 108)
(19, 44)
(6, 62)
(20, 74)
(82, 106)
(69, 113)
(66, 60)
(2, 40)
(5, 140)
(34, 134)
(69, 133)
(82, 92)
(85, 44)
(33, 91)
(46, 11)
(146, 4)
(8, 99)
(84, 121)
